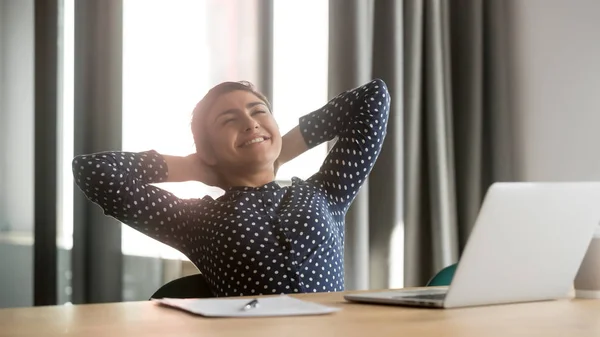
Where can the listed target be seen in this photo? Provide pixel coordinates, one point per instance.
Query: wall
(141, 278)
(16, 151)
(16, 275)
(557, 89)
(16, 114)
(2, 137)
(3, 141)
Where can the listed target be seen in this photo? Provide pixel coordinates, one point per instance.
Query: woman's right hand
(190, 168)
(201, 171)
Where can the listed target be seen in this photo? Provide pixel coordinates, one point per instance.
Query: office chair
(443, 277)
(195, 286)
(192, 286)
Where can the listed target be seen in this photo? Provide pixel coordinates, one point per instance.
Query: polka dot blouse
(255, 240)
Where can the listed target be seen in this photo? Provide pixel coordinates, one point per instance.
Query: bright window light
(300, 43)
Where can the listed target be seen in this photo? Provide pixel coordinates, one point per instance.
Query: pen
(251, 305)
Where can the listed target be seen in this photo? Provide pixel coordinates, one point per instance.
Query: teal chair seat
(443, 277)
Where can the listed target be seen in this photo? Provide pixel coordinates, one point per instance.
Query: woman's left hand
(292, 145)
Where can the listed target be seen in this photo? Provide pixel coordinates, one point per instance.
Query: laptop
(526, 245)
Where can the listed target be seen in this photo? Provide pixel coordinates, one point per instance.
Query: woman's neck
(249, 179)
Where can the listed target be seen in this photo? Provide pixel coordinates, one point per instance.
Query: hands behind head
(203, 172)
(207, 174)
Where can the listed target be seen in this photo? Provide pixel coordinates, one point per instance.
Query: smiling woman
(259, 237)
(245, 158)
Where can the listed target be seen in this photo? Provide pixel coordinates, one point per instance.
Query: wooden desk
(554, 318)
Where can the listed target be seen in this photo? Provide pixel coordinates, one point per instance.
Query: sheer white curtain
(300, 72)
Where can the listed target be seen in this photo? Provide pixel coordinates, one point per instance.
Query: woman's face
(242, 132)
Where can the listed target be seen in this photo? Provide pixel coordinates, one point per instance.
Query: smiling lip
(255, 140)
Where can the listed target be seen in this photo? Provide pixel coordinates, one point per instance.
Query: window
(165, 62)
(66, 88)
(300, 73)
(173, 52)
(66, 132)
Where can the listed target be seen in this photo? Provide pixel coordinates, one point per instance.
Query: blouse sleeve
(358, 118)
(120, 183)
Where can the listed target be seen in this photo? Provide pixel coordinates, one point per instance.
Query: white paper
(269, 306)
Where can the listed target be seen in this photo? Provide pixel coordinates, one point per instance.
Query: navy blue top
(255, 240)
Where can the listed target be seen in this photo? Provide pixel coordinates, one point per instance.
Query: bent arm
(182, 169)
(293, 145)
(120, 183)
(358, 119)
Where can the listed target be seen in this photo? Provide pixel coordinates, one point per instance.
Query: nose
(251, 124)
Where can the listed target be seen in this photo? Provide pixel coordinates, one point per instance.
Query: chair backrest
(192, 286)
(443, 277)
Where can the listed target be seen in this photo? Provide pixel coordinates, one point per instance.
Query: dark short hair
(210, 98)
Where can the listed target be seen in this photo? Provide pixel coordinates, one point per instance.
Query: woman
(259, 237)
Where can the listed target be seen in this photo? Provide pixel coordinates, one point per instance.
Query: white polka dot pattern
(255, 240)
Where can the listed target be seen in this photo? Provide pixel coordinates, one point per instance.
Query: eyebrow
(234, 111)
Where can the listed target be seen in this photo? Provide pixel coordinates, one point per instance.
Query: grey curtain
(457, 125)
(449, 132)
(365, 42)
(96, 259)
